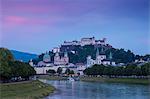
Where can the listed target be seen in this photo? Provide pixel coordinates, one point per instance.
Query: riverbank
(25, 90)
(47, 77)
(101, 79)
(116, 80)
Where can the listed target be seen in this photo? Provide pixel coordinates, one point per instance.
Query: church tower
(110, 56)
(88, 61)
(31, 63)
(56, 58)
(98, 57)
(65, 54)
(97, 52)
(102, 54)
(66, 58)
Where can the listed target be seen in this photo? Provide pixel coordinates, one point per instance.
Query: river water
(96, 90)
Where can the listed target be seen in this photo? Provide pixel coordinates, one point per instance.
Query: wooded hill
(78, 54)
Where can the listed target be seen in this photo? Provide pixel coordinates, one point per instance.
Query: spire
(46, 52)
(65, 54)
(97, 52)
(57, 54)
(102, 51)
(110, 56)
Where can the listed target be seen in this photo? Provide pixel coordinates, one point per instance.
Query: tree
(10, 68)
(51, 71)
(145, 69)
(5, 69)
(119, 71)
(21, 69)
(5, 55)
(95, 70)
(71, 72)
(59, 70)
(129, 70)
(67, 71)
(137, 71)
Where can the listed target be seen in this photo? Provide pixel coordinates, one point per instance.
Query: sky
(37, 26)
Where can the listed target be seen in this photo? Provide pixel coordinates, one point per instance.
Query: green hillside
(81, 52)
(119, 55)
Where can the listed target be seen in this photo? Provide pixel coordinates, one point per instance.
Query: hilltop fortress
(82, 42)
(86, 41)
(60, 56)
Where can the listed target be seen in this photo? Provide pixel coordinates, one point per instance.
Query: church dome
(46, 58)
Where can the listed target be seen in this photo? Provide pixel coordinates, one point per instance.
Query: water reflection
(94, 90)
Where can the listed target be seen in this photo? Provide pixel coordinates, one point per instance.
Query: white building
(61, 60)
(76, 42)
(139, 60)
(90, 61)
(44, 69)
(100, 59)
(102, 42)
(86, 41)
(43, 66)
(80, 68)
(56, 50)
(31, 63)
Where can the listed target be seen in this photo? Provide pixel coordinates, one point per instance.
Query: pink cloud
(15, 20)
(31, 7)
(12, 21)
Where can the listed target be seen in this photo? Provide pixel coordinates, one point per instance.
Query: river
(96, 90)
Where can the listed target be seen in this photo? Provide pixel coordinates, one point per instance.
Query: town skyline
(38, 26)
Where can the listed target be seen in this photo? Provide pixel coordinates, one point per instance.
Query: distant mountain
(25, 57)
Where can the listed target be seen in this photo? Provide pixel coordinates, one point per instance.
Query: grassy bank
(25, 90)
(100, 79)
(47, 77)
(116, 80)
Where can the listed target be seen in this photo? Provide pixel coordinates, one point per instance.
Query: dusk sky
(37, 26)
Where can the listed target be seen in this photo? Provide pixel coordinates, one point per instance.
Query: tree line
(128, 70)
(59, 71)
(9, 68)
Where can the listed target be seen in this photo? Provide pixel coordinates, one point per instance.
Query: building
(46, 58)
(46, 61)
(56, 49)
(100, 59)
(80, 68)
(85, 41)
(90, 61)
(31, 63)
(43, 66)
(101, 42)
(44, 69)
(61, 60)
